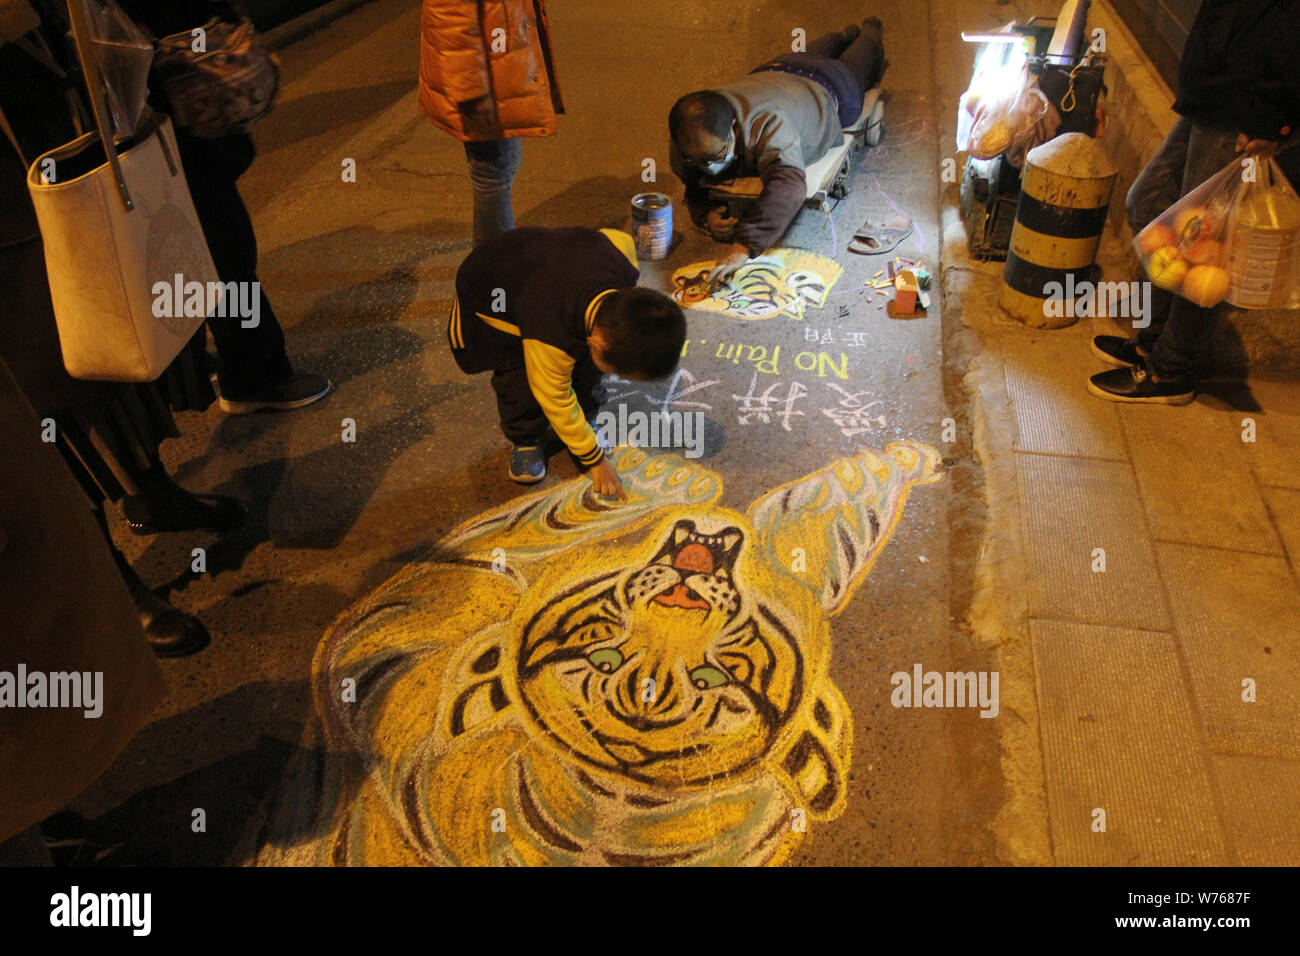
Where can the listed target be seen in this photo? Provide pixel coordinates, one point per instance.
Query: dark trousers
(522, 420)
(251, 358)
(849, 66)
(864, 56)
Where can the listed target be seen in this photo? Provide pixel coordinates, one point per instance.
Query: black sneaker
(1136, 385)
(302, 388)
(527, 464)
(1117, 350)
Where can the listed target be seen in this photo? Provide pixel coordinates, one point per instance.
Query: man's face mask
(714, 166)
(713, 169)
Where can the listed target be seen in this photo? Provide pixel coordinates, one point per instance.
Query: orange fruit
(1205, 286)
(1154, 236)
(1167, 267)
(1196, 222)
(1204, 252)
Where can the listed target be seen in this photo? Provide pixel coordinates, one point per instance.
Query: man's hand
(604, 479)
(736, 257)
(1264, 148)
(720, 224)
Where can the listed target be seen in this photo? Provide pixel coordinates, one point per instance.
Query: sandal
(875, 238)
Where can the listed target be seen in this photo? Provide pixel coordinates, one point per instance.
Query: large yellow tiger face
(563, 681)
(663, 672)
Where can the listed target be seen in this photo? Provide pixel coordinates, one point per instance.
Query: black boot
(171, 631)
(163, 505)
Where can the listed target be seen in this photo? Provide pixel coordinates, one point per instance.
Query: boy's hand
(604, 479)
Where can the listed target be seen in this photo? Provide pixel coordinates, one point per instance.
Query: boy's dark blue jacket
(1241, 68)
(529, 297)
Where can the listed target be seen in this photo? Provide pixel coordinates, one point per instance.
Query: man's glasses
(716, 157)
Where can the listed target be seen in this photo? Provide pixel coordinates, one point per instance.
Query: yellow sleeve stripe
(623, 243)
(550, 376)
(501, 324)
(457, 336)
(590, 318)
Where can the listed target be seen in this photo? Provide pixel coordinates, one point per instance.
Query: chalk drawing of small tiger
(779, 282)
(691, 288)
(564, 681)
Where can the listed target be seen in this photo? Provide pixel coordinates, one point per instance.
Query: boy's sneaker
(527, 464)
(1136, 385)
(1116, 350)
(302, 388)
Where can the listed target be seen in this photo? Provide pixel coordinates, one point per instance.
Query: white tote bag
(123, 246)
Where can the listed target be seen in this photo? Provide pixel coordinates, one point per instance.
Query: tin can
(652, 225)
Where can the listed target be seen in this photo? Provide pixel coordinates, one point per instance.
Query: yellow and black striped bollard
(1064, 197)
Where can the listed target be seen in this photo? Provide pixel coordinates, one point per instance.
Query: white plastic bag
(1185, 249)
(1234, 238)
(1009, 112)
(123, 54)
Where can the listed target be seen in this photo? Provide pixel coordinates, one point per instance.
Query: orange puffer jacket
(498, 49)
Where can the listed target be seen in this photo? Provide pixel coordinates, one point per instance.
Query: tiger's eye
(706, 678)
(606, 659)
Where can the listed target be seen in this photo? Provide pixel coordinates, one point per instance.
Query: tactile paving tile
(1194, 471)
(1119, 734)
(1046, 379)
(1261, 796)
(1237, 616)
(1073, 506)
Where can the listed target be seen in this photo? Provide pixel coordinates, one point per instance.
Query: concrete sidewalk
(1140, 574)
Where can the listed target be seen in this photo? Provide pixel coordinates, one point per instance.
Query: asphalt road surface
(360, 275)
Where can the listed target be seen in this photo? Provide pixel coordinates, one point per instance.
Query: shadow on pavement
(155, 826)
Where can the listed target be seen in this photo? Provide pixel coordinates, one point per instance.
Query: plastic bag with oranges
(1234, 238)
(1184, 250)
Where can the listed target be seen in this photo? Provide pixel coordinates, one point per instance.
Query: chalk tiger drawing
(567, 681)
(779, 282)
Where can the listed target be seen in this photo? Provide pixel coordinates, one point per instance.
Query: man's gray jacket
(787, 122)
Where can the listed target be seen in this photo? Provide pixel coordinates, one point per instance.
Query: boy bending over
(548, 311)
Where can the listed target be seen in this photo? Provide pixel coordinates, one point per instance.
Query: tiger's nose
(647, 698)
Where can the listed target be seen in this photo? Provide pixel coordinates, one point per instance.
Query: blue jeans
(492, 167)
